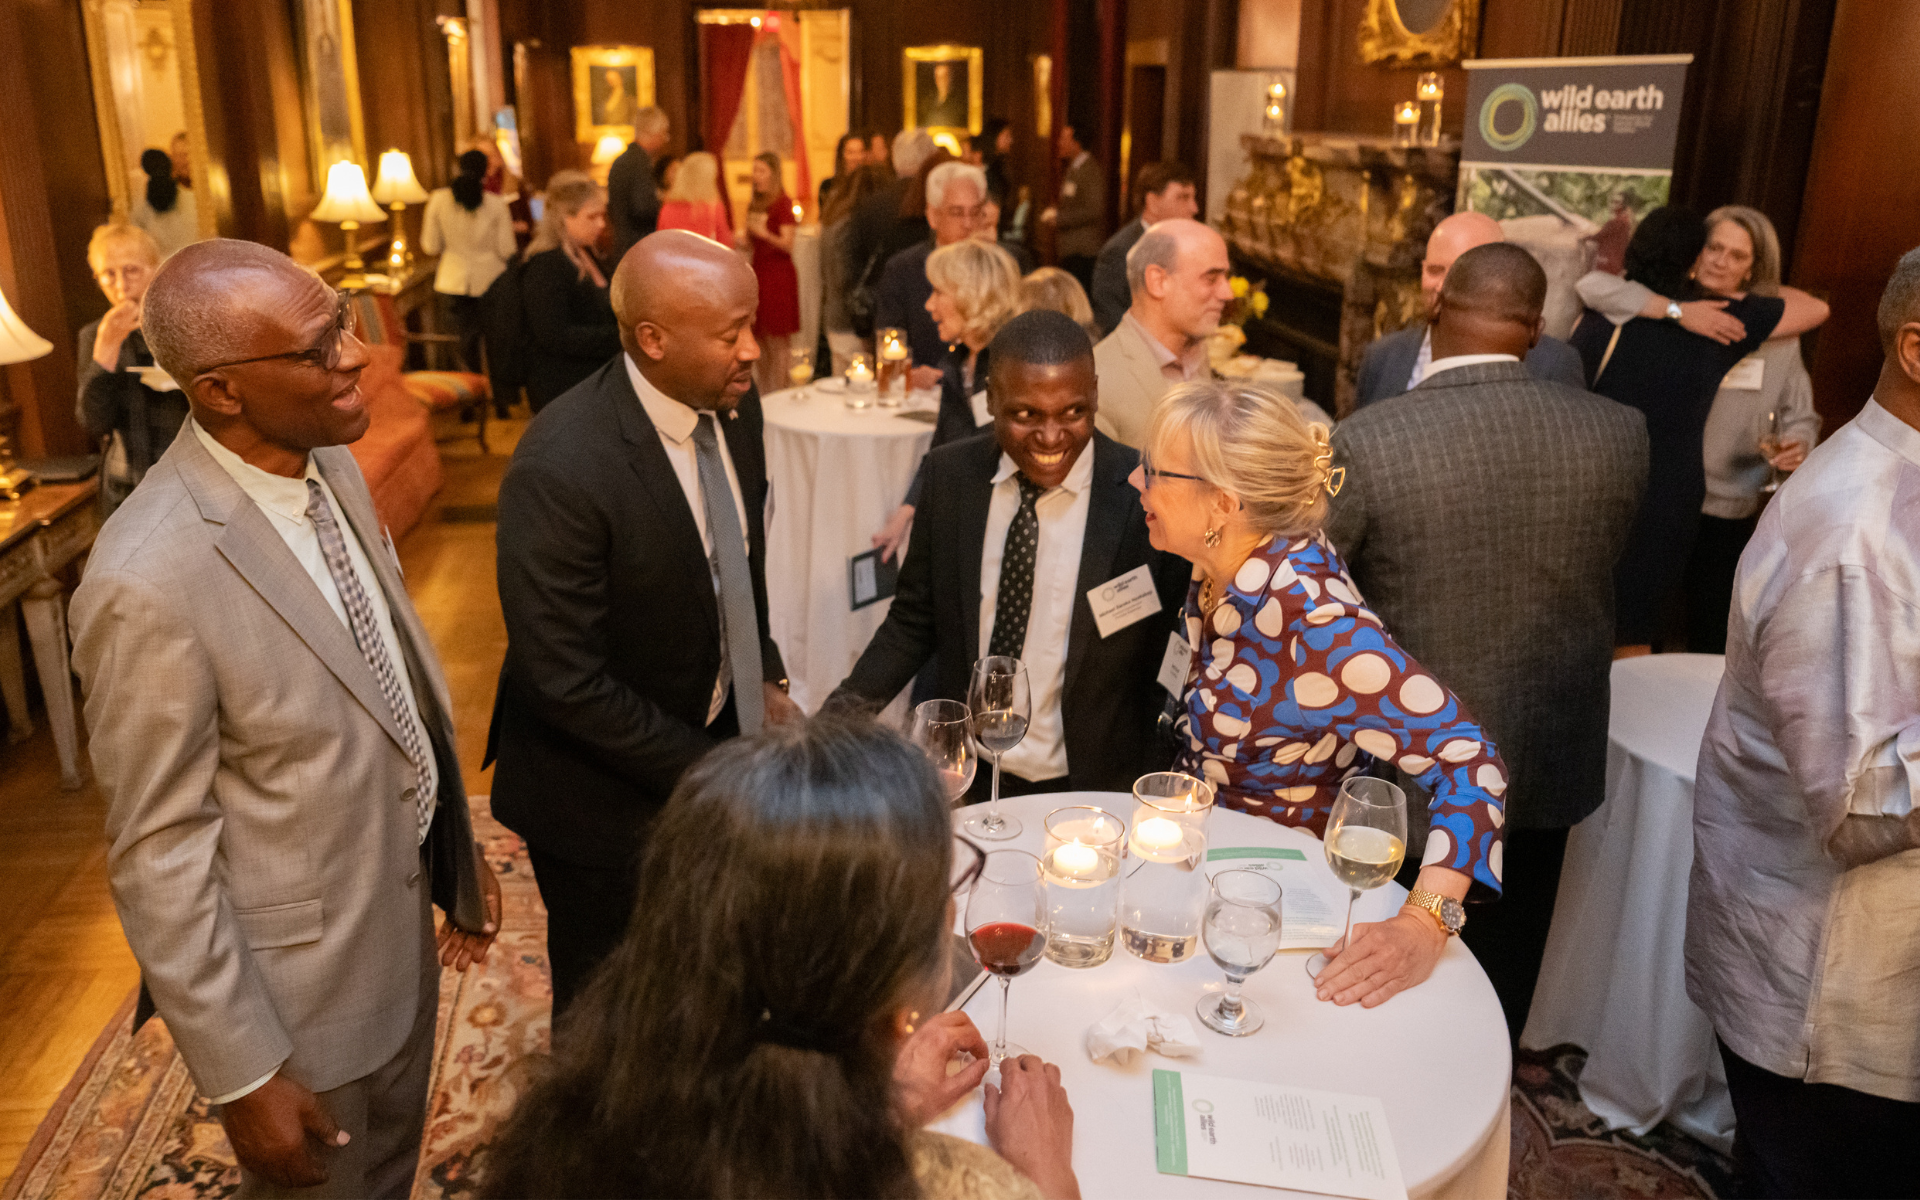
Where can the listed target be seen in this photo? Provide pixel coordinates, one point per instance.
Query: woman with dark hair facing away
(471, 229)
(1670, 374)
(167, 211)
(757, 1032)
(770, 233)
(571, 330)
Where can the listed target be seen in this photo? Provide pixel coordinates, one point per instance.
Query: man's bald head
(685, 306)
(1450, 239)
(1490, 303)
(206, 302)
(1178, 273)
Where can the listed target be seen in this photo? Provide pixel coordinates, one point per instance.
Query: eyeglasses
(1147, 469)
(125, 275)
(968, 861)
(324, 353)
(955, 212)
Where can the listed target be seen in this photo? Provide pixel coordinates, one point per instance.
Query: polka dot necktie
(1015, 599)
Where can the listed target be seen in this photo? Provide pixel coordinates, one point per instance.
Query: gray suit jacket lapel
(263, 560)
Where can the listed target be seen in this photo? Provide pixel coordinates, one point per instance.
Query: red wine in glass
(1007, 947)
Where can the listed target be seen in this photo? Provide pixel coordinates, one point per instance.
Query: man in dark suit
(1399, 361)
(633, 202)
(878, 230)
(956, 192)
(632, 577)
(1481, 517)
(1079, 218)
(1018, 535)
(1164, 192)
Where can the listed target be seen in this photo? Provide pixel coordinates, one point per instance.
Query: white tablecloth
(1436, 1055)
(1614, 978)
(836, 475)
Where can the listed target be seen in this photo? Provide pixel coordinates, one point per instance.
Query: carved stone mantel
(1350, 212)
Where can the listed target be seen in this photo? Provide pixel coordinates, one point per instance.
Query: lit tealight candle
(1074, 859)
(1429, 86)
(893, 350)
(859, 372)
(1157, 834)
(1406, 113)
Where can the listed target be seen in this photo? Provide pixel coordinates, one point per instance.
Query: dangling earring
(1212, 537)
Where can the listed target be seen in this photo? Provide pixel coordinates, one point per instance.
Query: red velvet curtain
(728, 53)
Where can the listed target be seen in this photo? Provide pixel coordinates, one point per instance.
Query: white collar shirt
(675, 423)
(1449, 363)
(1805, 967)
(1062, 512)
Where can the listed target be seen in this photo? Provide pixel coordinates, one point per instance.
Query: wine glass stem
(1000, 1036)
(993, 821)
(1230, 1005)
(1352, 895)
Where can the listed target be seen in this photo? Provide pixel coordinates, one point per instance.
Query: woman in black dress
(571, 330)
(1671, 376)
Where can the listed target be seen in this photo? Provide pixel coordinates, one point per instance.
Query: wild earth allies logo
(1511, 113)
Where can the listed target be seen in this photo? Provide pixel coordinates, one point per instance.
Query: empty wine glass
(1241, 930)
(1366, 840)
(1770, 448)
(941, 728)
(1007, 926)
(1001, 704)
(800, 373)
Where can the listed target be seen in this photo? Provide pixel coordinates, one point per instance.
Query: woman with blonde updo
(1294, 683)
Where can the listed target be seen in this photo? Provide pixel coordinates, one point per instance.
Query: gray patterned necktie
(366, 634)
(1013, 602)
(739, 624)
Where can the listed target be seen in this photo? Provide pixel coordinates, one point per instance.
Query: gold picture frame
(107, 63)
(597, 103)
(1385, 38)
(931, 97)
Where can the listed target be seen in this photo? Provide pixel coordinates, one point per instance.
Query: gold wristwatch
(1445, 909)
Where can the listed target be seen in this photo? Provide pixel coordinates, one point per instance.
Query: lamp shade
(347, 198)
(18, 344)
(395, 183)
(607, 149)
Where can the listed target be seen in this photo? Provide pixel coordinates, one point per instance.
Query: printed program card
(1274, 1135)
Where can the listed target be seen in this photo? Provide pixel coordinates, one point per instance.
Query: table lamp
(608, 148)
(18, 344)
(348, 204)
(396, 186)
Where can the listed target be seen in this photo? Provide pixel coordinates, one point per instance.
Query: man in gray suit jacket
(1398, 362)
(274, 737)
(1080, 218)
(1481, 517)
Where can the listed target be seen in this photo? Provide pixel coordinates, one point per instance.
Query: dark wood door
(1146, 122)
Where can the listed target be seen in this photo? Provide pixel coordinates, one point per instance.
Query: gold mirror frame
(106, 108)
(1384, 40)
(909, 85)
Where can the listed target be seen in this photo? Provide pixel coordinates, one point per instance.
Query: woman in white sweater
(472, 232)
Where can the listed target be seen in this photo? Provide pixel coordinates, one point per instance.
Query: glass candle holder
(1163, 894)
(1406, 123)
(896, 360)
(1082, 864)
(1273, 117)
(859, 382)
(1429, 90)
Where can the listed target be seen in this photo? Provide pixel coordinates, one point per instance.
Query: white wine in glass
(800, 372)
(941, 729)
(1366, 842)
(1770, 449)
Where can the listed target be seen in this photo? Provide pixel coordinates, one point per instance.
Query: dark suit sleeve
(102, 392)
(1556, 361)
(547, 287)
(553, 541)
(1369, 386)
(1111, 294)
(906, 639)
(1346, 524)
(893, 300)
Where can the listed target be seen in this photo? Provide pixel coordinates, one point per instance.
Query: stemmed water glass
(941, 728)
(1002, 706)
(1007, 926)
(800, 373)
(1366, 840)
(1241, 930)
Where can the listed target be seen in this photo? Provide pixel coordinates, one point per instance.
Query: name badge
(1122, 600)
(1746, 374)
(1174, 667)
(1067, 189)
(978, 402)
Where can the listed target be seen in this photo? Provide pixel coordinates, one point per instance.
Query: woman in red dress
(770, 228)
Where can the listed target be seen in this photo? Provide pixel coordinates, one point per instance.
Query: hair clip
(1331, 477)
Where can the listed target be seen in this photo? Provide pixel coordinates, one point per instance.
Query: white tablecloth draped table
(836, 475)
(1436, 1054)
(1614, 978)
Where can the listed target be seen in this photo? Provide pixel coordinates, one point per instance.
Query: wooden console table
(40, 534)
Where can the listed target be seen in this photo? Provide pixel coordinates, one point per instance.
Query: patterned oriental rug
(130, 1124)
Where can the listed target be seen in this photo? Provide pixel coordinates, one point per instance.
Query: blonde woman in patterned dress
(1294, 683)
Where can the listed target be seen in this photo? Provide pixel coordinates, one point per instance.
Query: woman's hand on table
(1381, 959)
(894, 533)
(922, 1086)
(1030, 1123)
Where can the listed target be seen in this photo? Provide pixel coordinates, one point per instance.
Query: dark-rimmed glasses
(324, 353)
(968, 861)
(1147, 470)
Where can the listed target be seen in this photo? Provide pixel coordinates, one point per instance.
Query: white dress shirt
(675, 423)
(1062, 511)
(1448, 363)
(284, 501)
(1806, 966)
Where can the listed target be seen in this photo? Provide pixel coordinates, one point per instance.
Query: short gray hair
(1900, 303)
(188, 315)
(911, 150)
(1152, 250)
(650, 120)
(947, 174)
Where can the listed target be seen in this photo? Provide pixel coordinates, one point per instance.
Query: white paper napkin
(1136, 1026)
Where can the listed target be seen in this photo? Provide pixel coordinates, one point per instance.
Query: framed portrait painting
(330, 82)
(941, 87)
(610, 85)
